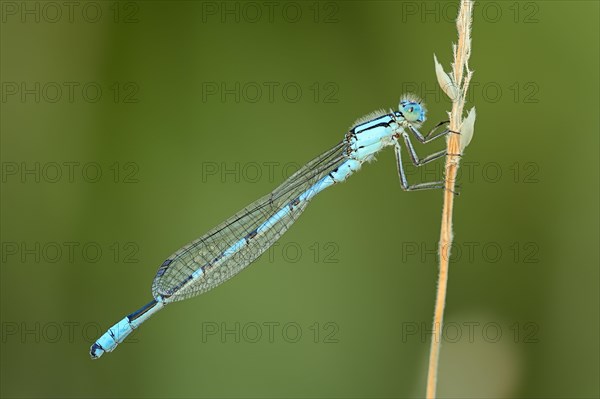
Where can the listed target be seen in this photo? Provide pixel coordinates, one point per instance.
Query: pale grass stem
(455, 86)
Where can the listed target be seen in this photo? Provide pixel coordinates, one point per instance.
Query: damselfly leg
(416, 160)
(404, 180)
(433, 133)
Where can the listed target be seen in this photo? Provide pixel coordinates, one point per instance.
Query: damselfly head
(412, 108)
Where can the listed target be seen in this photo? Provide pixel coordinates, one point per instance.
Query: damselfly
(228, 248)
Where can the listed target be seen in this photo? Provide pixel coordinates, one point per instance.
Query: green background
(357, 274)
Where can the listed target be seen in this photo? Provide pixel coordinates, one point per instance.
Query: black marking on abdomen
(250, 236)
(332, 177)
(141, 311)
(294, 203)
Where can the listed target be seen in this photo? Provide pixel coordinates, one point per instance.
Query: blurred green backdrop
(131, 128)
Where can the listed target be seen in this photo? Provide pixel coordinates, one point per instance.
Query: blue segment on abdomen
(117, 333)
(345, 170)
(270, 222)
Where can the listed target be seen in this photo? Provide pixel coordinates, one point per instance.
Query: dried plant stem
(460, 66)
